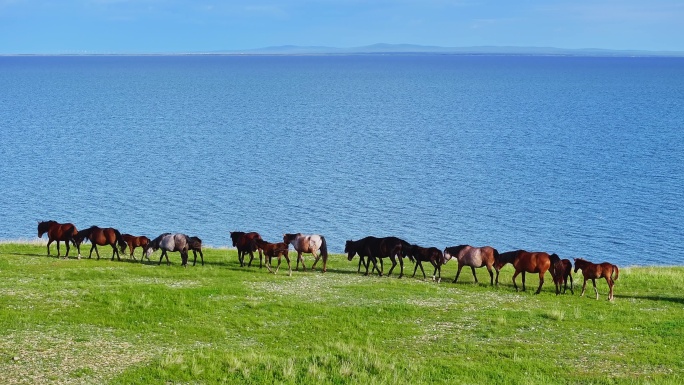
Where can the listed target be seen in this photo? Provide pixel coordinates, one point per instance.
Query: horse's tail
(324, 250)
(120, 241)
(616, 271)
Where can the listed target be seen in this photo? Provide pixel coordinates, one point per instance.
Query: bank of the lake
(87, 321)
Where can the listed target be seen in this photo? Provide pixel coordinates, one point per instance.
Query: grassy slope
(88, 321)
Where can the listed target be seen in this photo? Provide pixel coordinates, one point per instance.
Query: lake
(581, 156)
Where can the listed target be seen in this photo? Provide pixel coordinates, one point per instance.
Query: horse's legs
(434, 272)
(415, 268)
(541, 282)
(316, 256)
(593, 280)
(201, 256)
(401, 265)
(289, 267)
(394, 264)
(497, 276)
(584, 286)
(48, 246)
(566, 282)
(251, 258)
(301, 258)
(91, 251)
(458, 272)
(474, 275)
(360, 262)
(66, 243)
(58, 248)
(523, 279)
(115, 251)
(515, 275)
(491, 275)
(184, 258)
(610, 287)
(277, 267)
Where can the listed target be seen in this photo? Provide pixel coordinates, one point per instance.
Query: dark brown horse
(195, 244)
(134, 242)
(374, 248)
(593, 271)
(526, 262)
(473, 257)
(561, 270)
(274, 250)
(245, 243)
(502, 260)
(427, 254)
(102, 237)
(59, 232)
(308, 243)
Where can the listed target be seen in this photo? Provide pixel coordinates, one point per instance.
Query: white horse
(170, 242)
(308, 243)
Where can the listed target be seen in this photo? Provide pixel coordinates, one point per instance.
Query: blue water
(578, 156)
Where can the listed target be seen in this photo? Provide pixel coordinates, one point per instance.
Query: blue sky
(152, 26)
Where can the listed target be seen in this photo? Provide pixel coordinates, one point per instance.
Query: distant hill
(382, 48)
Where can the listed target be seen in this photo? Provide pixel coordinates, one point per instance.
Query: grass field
(93, 322)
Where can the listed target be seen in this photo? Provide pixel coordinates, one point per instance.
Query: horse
(99, 236)
(561, 270)
(59, 232)
(433, 255)
(377, 248)
(473, 257)
(133, 242)
(244, 242)
(308, 243)
(593, 271)
(536, 262)
(195, 244)
(502, 260)
(274, 250)
(170, 242)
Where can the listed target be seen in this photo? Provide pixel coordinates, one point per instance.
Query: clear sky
(154, 26)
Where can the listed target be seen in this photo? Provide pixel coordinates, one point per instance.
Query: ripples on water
(578, 156)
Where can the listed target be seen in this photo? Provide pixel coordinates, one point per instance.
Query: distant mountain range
(422, 49)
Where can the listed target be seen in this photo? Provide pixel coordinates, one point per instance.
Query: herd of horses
(371, 250)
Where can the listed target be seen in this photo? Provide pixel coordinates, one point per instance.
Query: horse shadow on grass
(657, 298)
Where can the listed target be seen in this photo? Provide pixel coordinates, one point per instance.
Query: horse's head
(350, 250)
(446, 256)
(235, 237)
(287, 238)
(578, 263)
(43, 227)
(148, 250)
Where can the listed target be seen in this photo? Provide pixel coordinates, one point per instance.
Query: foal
(561, 271)
(593, 271)
(274, 250)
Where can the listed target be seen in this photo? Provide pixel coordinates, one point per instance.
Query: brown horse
(308, 243)
(274, 250)
(374, 248)
(427, 254)
(473, 257)
(502, 260)
(98, 236)
(523, 261)
(593, 271)
(195, 244)
(561, 270)
(59, 232)
(245, 243)
(133, 242)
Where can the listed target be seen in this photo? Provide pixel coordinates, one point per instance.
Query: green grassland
(92, 322)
